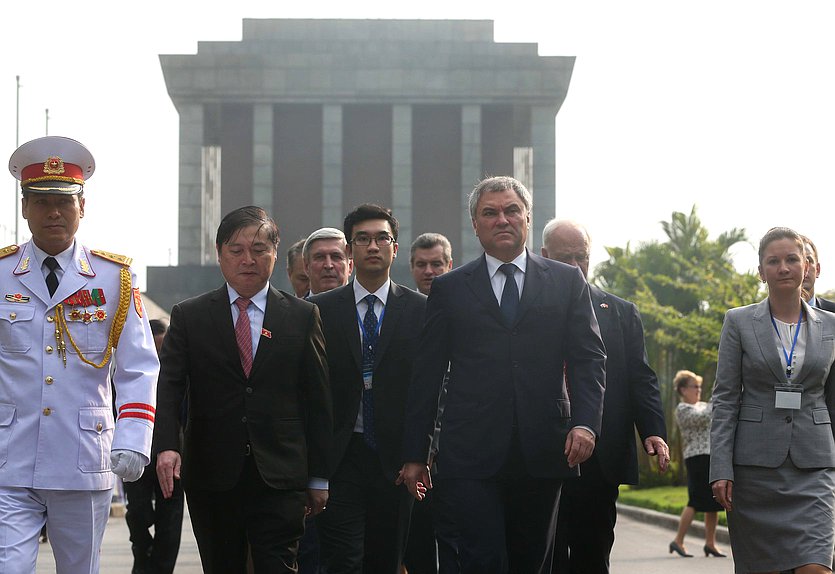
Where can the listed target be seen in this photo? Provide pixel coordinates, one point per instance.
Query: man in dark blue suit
(509, 325)
(586, 524)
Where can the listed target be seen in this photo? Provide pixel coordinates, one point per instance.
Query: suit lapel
(391, 316)
(534, 280)
(348, 320)
(221, 313)
(603, 310)
(764, 333)
(478, 280)
(274, 316)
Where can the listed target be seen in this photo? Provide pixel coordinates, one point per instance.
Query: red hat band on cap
(53, 169)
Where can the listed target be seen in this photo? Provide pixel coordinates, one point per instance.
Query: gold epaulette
(8, 250)
(115, 258)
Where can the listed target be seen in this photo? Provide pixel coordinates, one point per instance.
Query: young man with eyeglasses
(371, 328)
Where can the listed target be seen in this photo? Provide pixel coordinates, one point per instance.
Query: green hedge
(667, 499)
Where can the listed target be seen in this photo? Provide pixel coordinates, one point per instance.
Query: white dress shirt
(497, 278)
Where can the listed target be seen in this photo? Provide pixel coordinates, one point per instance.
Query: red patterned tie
(243, 334)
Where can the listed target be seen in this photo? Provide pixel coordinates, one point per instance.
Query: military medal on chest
(85, 298)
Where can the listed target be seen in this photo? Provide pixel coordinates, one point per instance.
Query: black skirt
(698, 488)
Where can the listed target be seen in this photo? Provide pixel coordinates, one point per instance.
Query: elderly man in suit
(251, 361)
(811, 276)
(326, 261)
(509, 325)
(586, 524)
(371, 327)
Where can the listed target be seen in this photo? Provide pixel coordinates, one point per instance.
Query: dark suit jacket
(500, 375)
(826, 304)
(633, 398)
(283, 409)
(393, 362)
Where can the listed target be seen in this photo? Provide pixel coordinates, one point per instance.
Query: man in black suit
(251, 361)
(586, 523)
(811, 277)
(510, 433)
(371, 327)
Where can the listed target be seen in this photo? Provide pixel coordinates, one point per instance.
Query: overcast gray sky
(726, 105)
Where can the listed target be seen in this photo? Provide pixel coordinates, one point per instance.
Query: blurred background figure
(430, 256)
(693, 419)
(154, 553)
(295, 269)
(814, 271)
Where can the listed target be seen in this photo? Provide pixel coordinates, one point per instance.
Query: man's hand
(655, 446)
(723, 492)
(317, 500)
(578, 446)
(416, 477)
(168, 469)
(127, 464)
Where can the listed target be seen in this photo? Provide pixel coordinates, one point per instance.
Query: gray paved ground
(640, 548)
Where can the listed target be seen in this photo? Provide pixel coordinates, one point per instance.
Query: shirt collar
(493, 264)
(64, 258)
(382, 293)
(259, 299)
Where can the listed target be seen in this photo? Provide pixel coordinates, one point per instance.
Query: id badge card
(788, 396)
(366, 382)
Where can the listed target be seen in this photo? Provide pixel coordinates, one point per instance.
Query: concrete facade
(308, 118)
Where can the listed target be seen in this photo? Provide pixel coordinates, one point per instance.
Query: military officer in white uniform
(66, 312)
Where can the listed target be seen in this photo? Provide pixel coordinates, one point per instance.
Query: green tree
(682, 287)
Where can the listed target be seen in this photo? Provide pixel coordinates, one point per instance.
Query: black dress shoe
(674, 547)
(709, 551)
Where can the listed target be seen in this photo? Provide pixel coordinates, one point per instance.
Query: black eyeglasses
(365, 240)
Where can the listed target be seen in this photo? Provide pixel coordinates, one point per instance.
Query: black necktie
(369, 344)
(52, 277)
(510, 294)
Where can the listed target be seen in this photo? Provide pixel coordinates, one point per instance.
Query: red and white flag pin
(266, 333)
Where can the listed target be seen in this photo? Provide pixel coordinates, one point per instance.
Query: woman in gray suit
(772, 448)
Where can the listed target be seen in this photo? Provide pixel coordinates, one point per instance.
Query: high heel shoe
(674, 547)
(712, 551)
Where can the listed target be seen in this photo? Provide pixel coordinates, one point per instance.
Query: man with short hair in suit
(431, 546)
(371, 327)
(251, 361)
(812, 275)
(586, 524)
(508, 325)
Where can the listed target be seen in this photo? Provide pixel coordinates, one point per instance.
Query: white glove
(127, 464)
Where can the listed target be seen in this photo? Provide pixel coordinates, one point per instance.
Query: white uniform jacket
(57, 423)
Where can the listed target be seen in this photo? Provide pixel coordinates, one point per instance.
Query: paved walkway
(116, 556)
(640, 548)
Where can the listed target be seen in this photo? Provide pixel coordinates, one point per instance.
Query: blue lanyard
(790, 355)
